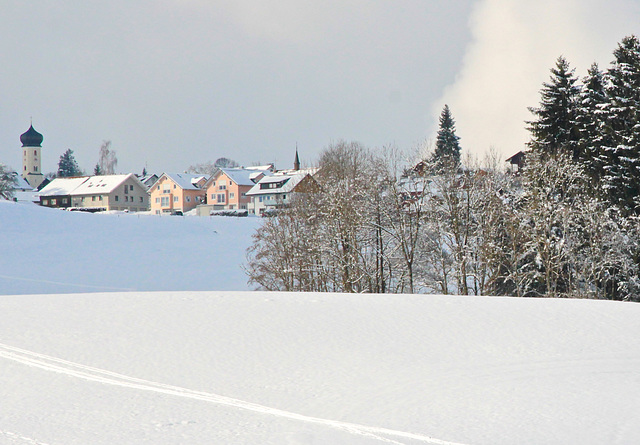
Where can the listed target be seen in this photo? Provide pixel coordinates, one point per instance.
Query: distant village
(238, 191)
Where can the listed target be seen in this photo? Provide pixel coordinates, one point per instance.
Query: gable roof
(20, 183)
(101, 184)
(185, 181)
(243, 176)
(62, 186)
(289, 182)
(85, 185)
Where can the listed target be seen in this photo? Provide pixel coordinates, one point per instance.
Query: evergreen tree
(621, 151)
(447, 152)
(590, 119)
(67, 166)
(554, 130)
(97, 171)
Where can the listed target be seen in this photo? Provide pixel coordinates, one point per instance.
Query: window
(141, 199)
(116, 198)
(221, 198)
(175, 199)
(130, 187)
(188, 198)
(222, 187)
(35, 168)
(232, 195)
(126, 189)
(65, 200)
(25, 168)
(93, 198)
(213, 196)
(45, 202)
(157, 200)
(165, 201)
(35, 152)
(54, 201)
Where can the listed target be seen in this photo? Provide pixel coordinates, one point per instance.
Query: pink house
(177, 193)
(227, 188)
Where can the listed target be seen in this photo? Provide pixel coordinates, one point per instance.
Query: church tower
(31, 161)
(296, 161)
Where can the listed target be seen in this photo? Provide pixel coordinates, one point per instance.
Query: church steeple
(31, 160)
(296, 161)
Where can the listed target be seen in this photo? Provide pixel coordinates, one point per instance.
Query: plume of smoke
(514, 45)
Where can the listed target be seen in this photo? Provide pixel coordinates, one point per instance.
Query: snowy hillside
(256, 368)
(222, 367)
(53, 251)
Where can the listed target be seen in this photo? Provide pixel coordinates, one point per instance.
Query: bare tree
(107, 161)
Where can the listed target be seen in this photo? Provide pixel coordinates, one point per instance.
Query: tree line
(565, 226)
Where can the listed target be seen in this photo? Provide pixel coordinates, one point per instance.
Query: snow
(184, 180)
(101, 184)
(55, 251)
(62, 186)
(243, 176)
(213, 364)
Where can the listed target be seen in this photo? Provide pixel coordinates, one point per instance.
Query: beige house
(97, 193)
(177, 193)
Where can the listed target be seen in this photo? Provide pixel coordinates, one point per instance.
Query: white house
(275, 191)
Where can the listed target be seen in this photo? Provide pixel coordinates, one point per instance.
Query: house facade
(275, 191)
(111, 192)
(96, 193)
(58, 192)
(227, 188)
(177, 193)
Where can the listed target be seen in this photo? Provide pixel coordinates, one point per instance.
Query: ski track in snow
(60, 283)
(111, 378)
(20, 439)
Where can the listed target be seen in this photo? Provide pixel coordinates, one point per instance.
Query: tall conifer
(554, 129)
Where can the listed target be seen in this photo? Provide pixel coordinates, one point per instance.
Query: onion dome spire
(31, 138)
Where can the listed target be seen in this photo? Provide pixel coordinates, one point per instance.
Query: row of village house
(254, 189)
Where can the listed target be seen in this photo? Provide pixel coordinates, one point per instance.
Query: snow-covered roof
(243, 176)
(268, 167)
(62, 186)
(289, 182)
(185, 181)
(100, 184)
(20, 183)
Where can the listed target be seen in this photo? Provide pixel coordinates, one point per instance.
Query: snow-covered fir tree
(620, 155)
(7, 182)
(591, 121)
(554, 130)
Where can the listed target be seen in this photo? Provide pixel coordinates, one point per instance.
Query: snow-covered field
(54, 251)
(224, 367)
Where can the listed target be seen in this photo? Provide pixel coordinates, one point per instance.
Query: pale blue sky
(177, 82)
